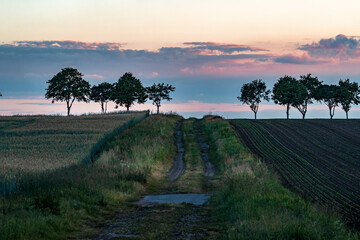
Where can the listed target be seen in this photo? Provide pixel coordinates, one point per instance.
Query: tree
(102, 93)
(329, 94)
(127, 90)
(310, 83)
(348, 93)
(158, 92)
(68, 85)
(290, 92)
(252, 93)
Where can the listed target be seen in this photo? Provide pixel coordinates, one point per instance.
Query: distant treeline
(68, 85)
(299, 93)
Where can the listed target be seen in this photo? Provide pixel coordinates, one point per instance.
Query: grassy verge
(254, 204)
(57, 203)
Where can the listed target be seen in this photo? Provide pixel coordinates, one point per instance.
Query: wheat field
(39, 143)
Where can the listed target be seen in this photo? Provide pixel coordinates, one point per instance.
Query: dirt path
(209, 168)
(179, 164)
(179, 215)
(170, 221)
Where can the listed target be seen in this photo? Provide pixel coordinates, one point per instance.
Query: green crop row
(298, 153)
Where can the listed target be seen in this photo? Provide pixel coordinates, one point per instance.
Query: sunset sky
(207, 49)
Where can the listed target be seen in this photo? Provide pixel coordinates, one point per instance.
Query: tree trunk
(105, 107)
(255, 112)
(304, 113)
(102, 107)
(347, 115)
(302, 109)
(157, 109)
(331, 112)
(287, 111)
(127, 108)
(68, 107)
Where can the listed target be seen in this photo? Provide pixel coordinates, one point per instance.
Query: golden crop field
(38, 143)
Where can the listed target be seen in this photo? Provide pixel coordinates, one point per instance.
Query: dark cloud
(32, 58)
(224, 48)
(293, 59)
(341, 46)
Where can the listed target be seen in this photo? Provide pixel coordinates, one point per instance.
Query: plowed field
(320, 159)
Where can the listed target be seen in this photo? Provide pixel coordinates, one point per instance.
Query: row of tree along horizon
(290, 92)
(68, 86)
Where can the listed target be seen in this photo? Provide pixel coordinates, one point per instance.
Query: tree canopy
(348, 93)
(310, 83)
(102, 93)
(328, 94)
(290, 92)
(68, 85)
(252, 93)
(159, 92)
(128, 90)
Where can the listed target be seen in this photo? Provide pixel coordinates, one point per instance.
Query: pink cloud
(304, 59)
(223, 47)
(93, 76)
(185, 69)
(108, 46)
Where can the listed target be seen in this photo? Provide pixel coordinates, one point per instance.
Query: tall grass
(53, 205)
(97, 148)
(254, 203)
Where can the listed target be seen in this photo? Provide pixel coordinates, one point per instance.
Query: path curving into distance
(182, 212)
(179, 165)
(209, 168)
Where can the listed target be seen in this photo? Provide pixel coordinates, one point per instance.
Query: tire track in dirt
(179, 164)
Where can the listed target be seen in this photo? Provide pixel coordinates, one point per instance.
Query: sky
(207, 49)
